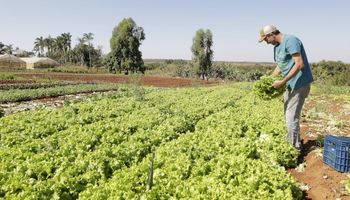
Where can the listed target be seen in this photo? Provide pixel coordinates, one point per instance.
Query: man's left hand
(278, 84)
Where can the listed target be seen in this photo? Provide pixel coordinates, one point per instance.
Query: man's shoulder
(291, 40)
(291, 37)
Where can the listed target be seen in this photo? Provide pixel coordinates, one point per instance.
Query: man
(292, 63)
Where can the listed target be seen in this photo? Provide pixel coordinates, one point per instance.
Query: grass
(330, 89)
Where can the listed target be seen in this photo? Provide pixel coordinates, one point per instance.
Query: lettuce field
(218, 142)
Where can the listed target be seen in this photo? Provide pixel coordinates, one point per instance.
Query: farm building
(8, 60)
(39, 62)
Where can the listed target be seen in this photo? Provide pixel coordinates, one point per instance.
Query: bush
(331, 72)
(239, 72)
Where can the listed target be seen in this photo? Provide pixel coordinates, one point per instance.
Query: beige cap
(265, 31)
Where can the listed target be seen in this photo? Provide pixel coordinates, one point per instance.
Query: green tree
(125, 42)
(57, 51)
(8, 49)
(61, 48)
(49, 44)
(80, 48)
(202, 52)
(57, 48)
(2, 50)
(39, 46)
(66, 41)
(84, 54)
(89, 37)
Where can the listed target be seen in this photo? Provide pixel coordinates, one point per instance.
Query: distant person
(292, 63)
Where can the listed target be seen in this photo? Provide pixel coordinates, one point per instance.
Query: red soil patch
(324, 181)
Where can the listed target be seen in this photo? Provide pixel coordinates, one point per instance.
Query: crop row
(58, 153)
(14, 95)
(237, 153)
(33, 85)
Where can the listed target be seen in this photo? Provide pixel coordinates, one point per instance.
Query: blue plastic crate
(336, 152)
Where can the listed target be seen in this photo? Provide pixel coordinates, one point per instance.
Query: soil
(322, 116)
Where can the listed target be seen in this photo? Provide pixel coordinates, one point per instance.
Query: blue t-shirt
(283, 57)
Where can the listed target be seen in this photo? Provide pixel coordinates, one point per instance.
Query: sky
(322, 25)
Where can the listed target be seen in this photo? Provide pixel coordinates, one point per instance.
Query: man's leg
(293, 103)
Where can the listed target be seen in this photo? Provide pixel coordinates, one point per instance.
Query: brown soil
(320, 114)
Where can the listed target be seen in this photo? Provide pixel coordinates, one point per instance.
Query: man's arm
(276, 72)
(298, 65)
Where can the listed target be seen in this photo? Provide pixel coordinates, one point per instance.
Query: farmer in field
(292, 64)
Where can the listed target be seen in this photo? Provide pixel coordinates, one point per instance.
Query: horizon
(170, 26)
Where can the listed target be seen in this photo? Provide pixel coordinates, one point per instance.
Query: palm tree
(58, 49)
(39, 46)
(2, 49)
(89, 37)
(81, 47)
(48, 43)
(66, 39)
(8, 49)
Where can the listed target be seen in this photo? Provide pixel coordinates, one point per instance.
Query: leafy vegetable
(264, 90)
(209, 143)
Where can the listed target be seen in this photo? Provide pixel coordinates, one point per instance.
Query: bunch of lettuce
(264, 90)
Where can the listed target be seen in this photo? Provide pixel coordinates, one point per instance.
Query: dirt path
(321, 116)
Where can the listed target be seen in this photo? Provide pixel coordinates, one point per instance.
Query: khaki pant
(293, 103)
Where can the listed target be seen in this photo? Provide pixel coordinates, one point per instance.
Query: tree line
(10, 49)
(124, 57)
(59, 48)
